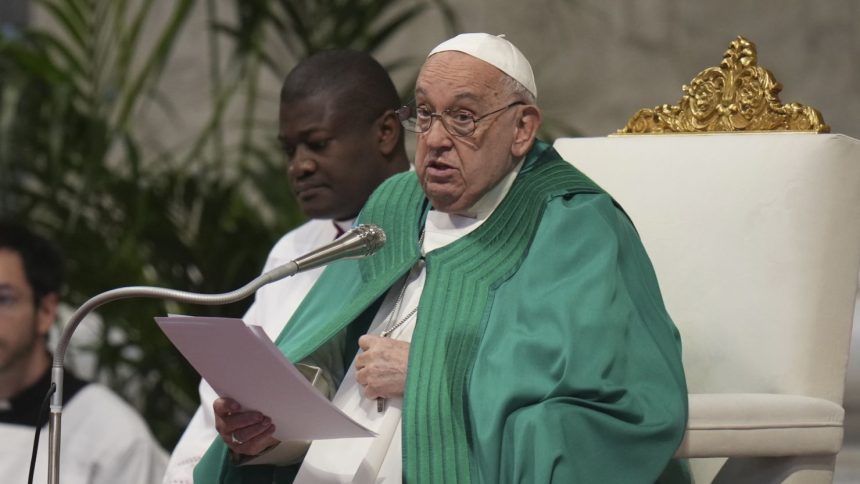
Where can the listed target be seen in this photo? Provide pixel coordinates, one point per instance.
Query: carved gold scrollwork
(736, 96)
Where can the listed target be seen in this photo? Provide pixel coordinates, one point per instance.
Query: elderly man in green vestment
(511, 329)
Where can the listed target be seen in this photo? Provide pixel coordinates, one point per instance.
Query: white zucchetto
(496, 51)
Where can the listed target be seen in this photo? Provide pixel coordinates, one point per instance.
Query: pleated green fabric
(453, 310)
(442, 427)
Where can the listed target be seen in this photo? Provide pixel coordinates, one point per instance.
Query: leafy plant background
(200, 216)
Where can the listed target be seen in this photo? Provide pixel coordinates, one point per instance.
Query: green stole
(455, 303)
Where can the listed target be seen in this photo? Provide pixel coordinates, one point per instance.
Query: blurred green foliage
(200, 217)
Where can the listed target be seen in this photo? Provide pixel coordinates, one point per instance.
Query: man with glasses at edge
(514, 329)
(104, 440)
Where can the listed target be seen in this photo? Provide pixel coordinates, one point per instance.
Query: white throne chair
(751, 216)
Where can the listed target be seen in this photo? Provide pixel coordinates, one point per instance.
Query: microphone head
(357, 243)
(372, 237)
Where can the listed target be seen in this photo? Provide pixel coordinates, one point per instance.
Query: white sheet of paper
(239, 361)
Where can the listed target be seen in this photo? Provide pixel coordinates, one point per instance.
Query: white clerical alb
(376, 460)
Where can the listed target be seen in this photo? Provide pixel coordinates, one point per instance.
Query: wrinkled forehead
(455, 75)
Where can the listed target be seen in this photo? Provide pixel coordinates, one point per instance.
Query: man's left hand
(381, 368)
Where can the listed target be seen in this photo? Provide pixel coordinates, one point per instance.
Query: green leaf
(387, 30)
(69, 15)
(155, 61)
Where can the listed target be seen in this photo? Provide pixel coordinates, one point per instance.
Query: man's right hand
(245, 432)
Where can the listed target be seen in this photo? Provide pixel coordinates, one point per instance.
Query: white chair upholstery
(755, 239)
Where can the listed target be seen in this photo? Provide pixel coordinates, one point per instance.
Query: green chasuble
(542, 350)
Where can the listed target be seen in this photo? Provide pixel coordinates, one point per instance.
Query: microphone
(359, 242)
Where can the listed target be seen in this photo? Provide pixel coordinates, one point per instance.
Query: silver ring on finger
(234, 439)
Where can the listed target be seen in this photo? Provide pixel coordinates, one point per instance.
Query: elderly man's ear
(528, 122)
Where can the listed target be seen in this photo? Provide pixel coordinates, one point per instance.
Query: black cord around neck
(42, 410)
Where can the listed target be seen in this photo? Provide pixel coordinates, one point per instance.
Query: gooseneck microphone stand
(359, 242)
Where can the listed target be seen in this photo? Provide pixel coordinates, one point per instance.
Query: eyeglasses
(418, 119)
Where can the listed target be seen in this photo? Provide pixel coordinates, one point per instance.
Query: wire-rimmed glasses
(418, 119)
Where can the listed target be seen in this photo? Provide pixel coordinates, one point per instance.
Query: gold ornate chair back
(739, 95)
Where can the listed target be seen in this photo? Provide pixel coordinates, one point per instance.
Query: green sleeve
(578, 378)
